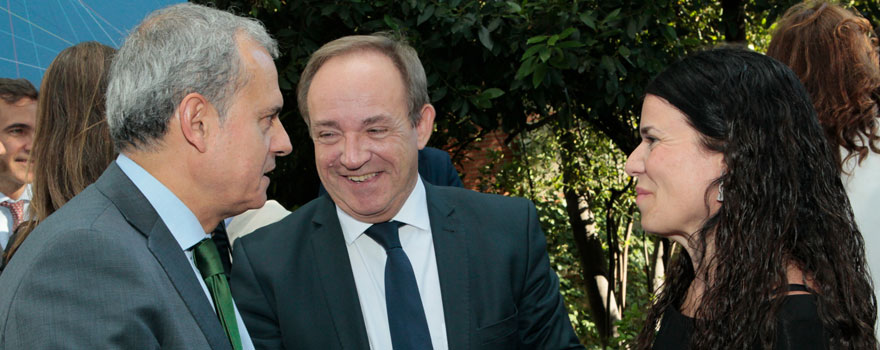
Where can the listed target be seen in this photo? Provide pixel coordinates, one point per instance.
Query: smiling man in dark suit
(387, 260)
(192, 106)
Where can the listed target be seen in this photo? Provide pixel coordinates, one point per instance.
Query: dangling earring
(721, 191)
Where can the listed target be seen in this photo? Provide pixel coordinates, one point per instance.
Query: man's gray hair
(175, 51)
(404, 57)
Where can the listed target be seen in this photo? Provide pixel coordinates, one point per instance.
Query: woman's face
(673, 170)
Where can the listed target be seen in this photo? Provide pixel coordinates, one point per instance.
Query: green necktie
(208, 262)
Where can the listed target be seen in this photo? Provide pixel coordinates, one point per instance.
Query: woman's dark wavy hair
(833, 51)
(784, 204)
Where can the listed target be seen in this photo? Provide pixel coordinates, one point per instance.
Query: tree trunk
(624, 264)
(603, 307)
(733, 21)
(662, 251)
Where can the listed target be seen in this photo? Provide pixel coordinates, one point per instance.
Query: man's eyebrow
(271, 111)
(18, 125)
(327, 124)
(645, 129)
(375, 119)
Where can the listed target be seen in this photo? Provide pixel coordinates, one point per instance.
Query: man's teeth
(361, 178)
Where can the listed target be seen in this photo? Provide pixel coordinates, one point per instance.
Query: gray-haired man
(193, 104)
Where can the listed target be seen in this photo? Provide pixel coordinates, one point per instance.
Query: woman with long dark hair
(834, 51)
(72, 144)
(734, 168)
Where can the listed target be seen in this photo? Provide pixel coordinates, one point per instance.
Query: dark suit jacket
(104, 272)
(436, 168)
(293, 282)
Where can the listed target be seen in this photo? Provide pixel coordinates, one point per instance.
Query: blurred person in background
(72, 145)
(734, 168)
(18, 110)
(834, 51)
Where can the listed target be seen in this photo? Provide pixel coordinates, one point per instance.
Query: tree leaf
(526, 68)
(492, 93)
(439, 93)
(536, 39)
(567, 32)
(607, 63)
(670, 34)
(514, 7)
(494, 24)
(612, 16)
(588, 19)
(631, 29)
(425, 15)
(391, 22)
(538, 76)
(544, 53)
(569, 44)
(531, 51)
(485, 39)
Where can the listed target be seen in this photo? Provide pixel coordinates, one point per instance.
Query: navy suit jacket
(293, 283)
(436, 168)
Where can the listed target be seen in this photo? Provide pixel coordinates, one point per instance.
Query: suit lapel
(337, 279)
(138, 212)
(451, 250)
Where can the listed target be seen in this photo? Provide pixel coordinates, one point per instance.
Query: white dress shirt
(6, 219)
(368, 265)
(182, 223)
(862, 182)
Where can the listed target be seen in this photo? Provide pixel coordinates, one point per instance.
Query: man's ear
(194, 114)
(426, 124)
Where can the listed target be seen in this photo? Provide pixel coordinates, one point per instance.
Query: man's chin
(257, 203)
(23, 175)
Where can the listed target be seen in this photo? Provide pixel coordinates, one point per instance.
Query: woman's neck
(694, 295)
(701, 258)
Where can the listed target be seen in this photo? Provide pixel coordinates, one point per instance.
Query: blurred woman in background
(733, 166)
(72, 144)
(834, 51)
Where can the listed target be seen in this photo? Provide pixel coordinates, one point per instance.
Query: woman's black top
(798, 325)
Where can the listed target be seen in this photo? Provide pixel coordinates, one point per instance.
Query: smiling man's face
(17, 135)
(366, 147)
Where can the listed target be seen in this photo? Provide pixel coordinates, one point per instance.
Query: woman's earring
(720, 192)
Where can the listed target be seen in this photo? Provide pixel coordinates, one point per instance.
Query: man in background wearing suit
(192, 106)
(18, 113)
(387, 260)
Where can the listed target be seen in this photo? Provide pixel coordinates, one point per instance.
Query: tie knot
(207, 258)
(18, 205)
(385, 233)
(17, 210)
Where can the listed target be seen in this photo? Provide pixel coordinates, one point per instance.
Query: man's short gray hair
(405, 59)
(175, 51)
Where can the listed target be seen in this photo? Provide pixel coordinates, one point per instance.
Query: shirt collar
(181, 221)
(414, 212)
(25, 196)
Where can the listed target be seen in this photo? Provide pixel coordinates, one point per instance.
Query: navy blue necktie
(406, 316)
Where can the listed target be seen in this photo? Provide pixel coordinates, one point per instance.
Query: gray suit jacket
(104, 272)
(293, 283)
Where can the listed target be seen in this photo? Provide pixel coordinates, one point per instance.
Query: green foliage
(533, 171)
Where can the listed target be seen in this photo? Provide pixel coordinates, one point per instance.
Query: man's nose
(354, 152)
